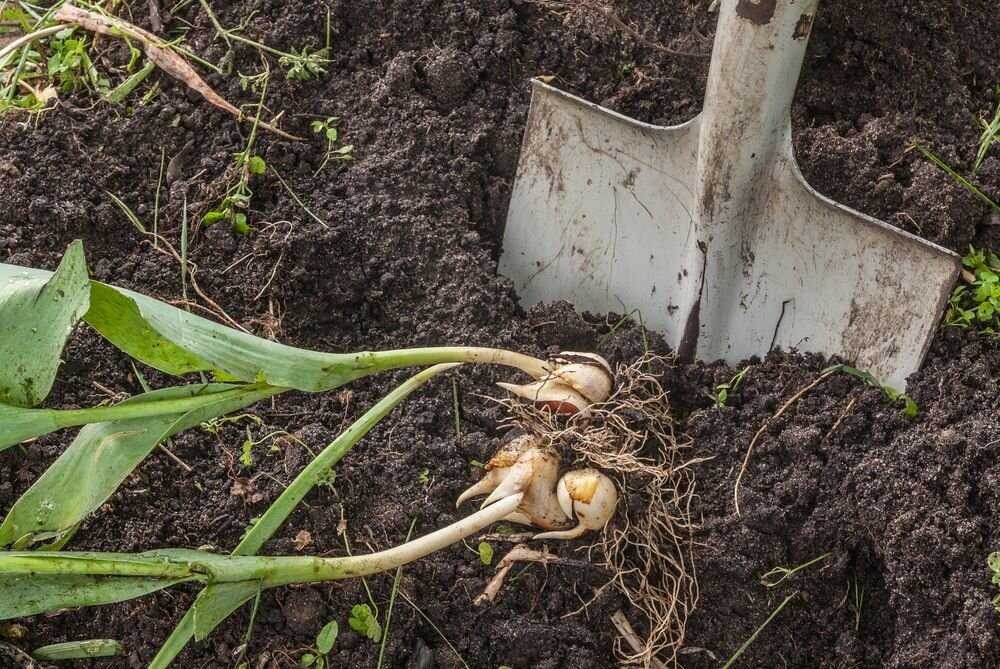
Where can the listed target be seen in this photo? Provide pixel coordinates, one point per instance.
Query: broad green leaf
(78, 650)
(37, 314)
(116, 316)
(217, 603)
(176, 341)
(18, 424)
(29, 595)
(327, 637)
(104, 454)
(238, 355)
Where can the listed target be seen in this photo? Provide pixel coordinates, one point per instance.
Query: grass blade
(37, 315)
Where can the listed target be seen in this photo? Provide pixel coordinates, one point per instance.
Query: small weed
(950, 171)
(485, 553)
(977, 304)
(325, 640)
(993, 562)
(364, 622)
(723, 389)
(328, 129)
(910, 408)
(301, 65)
(424, 477)
(753, 637)
(236, 201)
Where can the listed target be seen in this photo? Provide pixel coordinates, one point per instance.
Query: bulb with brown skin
(588, 496)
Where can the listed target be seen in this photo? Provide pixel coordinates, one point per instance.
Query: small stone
(949, 437)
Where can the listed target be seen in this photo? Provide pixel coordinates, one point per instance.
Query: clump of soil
(433, 96)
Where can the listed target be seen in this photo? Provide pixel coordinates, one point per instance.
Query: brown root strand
(647, 550)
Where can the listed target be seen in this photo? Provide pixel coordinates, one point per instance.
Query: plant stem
(383, 360)
(268, 571)
(127, 410)
(282, 507)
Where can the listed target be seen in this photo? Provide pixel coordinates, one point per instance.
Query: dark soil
(433, 95)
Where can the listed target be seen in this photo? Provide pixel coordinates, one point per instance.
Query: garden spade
(708, 229)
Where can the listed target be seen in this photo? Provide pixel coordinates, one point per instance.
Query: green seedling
(236, 201)
(325, 641)
(364, 622)
(977, 304)
(328, 129)
(722, 390)
(485, 550)
(910, 408)
(993, 562)
(779, 575)
(424, 477)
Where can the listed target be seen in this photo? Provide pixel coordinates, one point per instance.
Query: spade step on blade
(708, 229)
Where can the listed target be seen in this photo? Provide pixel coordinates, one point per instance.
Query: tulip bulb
(553, 394)
(587, 495)
(498, 467)
(573, 383)
(525, 466)
(588, 374)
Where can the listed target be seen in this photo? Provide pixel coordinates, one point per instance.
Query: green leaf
(331, 134)
(104, 454)
(37, 314)
(307, 660)
(215, 603)
(485, 553)
(363, 622)
(78, 650)
(213, 217)
(327, 637)
(256, 165)
(29, 595)
(117, 317)
(240, 225)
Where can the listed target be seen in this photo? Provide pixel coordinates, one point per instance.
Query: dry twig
(165, 58)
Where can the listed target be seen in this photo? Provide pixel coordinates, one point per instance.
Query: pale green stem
(407, 357)
(269, 571)
(74, 417)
